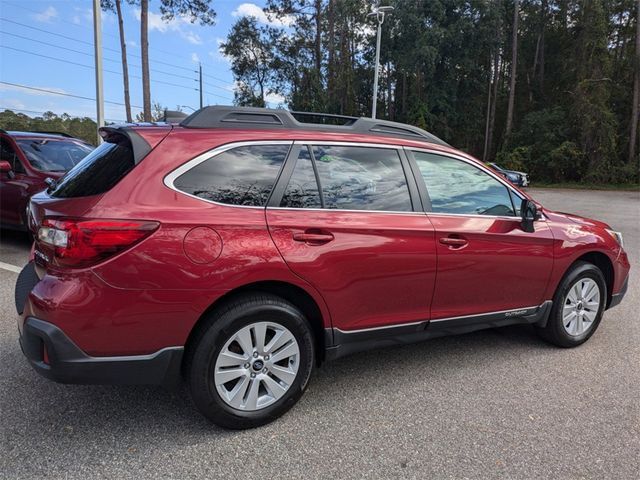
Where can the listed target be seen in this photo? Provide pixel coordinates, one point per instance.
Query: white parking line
(11, 268)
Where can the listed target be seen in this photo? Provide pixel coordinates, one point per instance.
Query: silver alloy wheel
(581, 306)
(257, 366)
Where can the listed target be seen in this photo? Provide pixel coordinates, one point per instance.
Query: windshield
(48, 155)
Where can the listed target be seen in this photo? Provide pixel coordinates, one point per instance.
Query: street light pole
(97, 42)
(379, 13)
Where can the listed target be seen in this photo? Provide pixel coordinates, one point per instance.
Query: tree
(636, 93)
(193, 10)
(514, 66)
(116, 5)
(249, 47)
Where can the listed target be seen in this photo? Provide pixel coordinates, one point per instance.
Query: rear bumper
(55, 356)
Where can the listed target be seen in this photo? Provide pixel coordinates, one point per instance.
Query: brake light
(81, 243)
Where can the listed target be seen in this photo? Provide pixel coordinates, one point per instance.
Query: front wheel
(251, 362)
(578, 306)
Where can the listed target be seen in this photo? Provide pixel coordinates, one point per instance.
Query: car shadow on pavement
(70, 412)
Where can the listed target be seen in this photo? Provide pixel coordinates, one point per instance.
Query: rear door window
(361, 178)
(240, 176)
(98, 172)
(302, 189)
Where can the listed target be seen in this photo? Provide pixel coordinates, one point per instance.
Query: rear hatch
(62, 218)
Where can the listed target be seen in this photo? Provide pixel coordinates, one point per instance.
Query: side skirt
(341, 343)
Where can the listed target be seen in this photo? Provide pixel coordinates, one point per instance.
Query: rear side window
(362, 178)
(302, 189)
(240, 176)
(98, 172)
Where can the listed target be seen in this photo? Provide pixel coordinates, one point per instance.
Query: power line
(64, 94)
(91, 66)
(91, 43)
(174, 54)
(91, 55)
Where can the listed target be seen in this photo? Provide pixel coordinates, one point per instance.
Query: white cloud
(274, 98)
(46, 15)
(191, 37)
(175, 25)
(195, 58)
(12, 104)
(132, 43)
(253, 10)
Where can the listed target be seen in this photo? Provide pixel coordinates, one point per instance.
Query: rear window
(239, 176)
(97, 172)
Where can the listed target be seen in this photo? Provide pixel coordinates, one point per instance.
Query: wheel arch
(294, 294)
(604, 263)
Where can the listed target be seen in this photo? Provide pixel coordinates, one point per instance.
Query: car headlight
(617, 236)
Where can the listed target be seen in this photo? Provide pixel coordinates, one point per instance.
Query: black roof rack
(265, 118)
(173, 116)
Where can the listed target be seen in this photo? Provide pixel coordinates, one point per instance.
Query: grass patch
(628, 187)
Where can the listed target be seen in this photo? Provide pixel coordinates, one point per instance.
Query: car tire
(581, 285)
(261, 392)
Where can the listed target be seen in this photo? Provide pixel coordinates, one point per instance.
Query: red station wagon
(27, 160)
(244, 246)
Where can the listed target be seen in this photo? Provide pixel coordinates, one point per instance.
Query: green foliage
(83, 128)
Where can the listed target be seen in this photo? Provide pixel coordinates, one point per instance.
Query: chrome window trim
(338, 143)
(393, 212)
(170, 178)
(481, 167)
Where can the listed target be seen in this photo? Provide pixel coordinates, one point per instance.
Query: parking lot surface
(492, 404)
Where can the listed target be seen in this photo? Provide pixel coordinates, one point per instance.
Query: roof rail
(265, 118)
(173, 116)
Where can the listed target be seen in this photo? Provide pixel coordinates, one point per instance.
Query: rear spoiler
(139, 145)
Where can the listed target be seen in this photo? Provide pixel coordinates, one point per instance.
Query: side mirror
(529, 214)
(5, 167)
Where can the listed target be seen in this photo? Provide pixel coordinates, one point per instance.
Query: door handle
(313, 238)
(454, 242)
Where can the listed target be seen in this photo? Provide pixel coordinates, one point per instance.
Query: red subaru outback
(244, 246)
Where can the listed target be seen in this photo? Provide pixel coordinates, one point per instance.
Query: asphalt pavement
(492, 404)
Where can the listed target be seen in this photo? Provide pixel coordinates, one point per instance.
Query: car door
(14, 188)
(358, 238)
(486, 262)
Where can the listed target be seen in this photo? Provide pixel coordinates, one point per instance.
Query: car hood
(576, 219)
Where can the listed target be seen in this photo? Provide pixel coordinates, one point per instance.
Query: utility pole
(200, 70)
(378, 12)
(97, 43)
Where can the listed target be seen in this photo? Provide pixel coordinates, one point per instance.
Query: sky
(32, 30)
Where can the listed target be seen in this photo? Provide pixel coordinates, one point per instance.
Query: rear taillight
(81, 243)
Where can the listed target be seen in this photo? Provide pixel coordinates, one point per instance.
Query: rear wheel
(578, 306)
(251, 361)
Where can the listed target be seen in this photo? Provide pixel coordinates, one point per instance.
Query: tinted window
(97, 172)
(362, 178)
(53, 155)
(240, 176)
(8, 154)
(458, 187)
(302, 189)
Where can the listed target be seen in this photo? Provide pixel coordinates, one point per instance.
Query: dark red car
(27, 159)
(243, 247)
